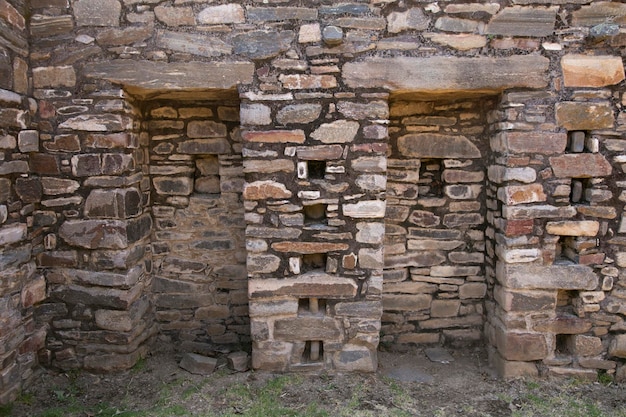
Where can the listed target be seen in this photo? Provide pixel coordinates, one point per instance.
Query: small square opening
(578, 188)
(311, 306)
(565, 251)
(576, 141)
(563, 345)
(314, 213)
(313, 262)
(430, 178)
(317, 169)
(313, 351)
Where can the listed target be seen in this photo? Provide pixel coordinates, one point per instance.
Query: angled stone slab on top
(546, 277)
(445, 74)
(149, 80)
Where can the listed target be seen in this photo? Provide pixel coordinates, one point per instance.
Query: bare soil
(406, 384)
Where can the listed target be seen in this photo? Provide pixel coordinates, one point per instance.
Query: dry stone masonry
(307, 181)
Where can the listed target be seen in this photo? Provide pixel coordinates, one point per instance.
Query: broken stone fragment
(238, 361)
(198, 364)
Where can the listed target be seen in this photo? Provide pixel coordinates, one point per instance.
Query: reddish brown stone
(44, 164)
(261, 190)
(274, 136)
(63, 143)
(521, 346)
(581, 165)
(299, 82)
(518, 227)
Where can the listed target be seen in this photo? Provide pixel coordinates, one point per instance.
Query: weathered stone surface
(298, 113)
(97, 12)
(56, 186)
(599, 12)
(516, 300)
(415, 302)
(319, 153)
(307, 328)
(557, 277)
(63, 76)
(521, 194)
(261, 190)
(12, 233)
(529, 142)
(582, 165)
(113, 204)
(262, 44)
(162, 79)
(340, 131)
(462, 42)
(107, 234)
(521, 346)
(122, 36)
(617, 347)
(591, 71)
(309, 247)
(366, 209)
(432, 145)
(584, 116)
(173, 185)
(523, 21)
(440, 73)
(198, 364)
(222, 14)
(195, 44)
(175, 16)
(97, 123)
(313, 284)
(412, 19)
(537, 211)
(204, 146)
(262, 264)
(274, 136)
(573, 228)
(563, 324)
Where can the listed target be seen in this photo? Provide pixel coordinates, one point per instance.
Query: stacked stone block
(199, 274)
(434, 282)
(22, 286)
(314, 199)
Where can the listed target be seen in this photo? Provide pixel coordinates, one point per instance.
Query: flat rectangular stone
(580, 165)
(573, 228)
(368, 209)
(195, 44)
(311, 285)
(530, 142)
(584, 116)
(537, 211)
(591, 70)
(308, 328)
(548, 277)
(523, 21)
(413, 302)
(441, 73)
(274, 136)
(309, 247)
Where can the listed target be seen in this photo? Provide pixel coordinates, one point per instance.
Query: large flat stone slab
(147, 79)
(443, 74)
(316, 285)
(546, 277)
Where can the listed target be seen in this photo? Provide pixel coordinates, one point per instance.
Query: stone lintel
(444, 74)
(151, 80)
(314, 284)
(546, 277)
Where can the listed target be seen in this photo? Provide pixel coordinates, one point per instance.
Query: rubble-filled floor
(418, 382)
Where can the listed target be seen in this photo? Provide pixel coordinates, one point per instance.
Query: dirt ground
(456, 383)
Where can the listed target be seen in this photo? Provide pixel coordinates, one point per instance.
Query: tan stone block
(418, 338)
(514, 369)
(435, 145)
(563, 324)
(462, 42)
(340, 131)
(521, 346)
(406, 302)
(303, 81)
(591, 70)
(472, 290)
(367, 209)
(442, 323)
(445, 308)
(274, 136)
(584, 116)
(617, 347)
(573, 373)
(573, 228)
(308, 328)
(175, 16)
(409, 287)
(309, 247)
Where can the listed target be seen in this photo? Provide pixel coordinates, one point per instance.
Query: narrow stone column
(315, 202)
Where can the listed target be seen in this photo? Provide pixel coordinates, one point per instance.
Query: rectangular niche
(315, 213)
(313, 351)
(311, 170)
(311, 307)
(430, 178)
(313, 262)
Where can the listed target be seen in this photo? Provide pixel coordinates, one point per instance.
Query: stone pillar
(22, 287)
(314, 196)
(97, 261)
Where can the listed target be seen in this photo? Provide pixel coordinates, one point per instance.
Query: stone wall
(486, 137)
(22, 286)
